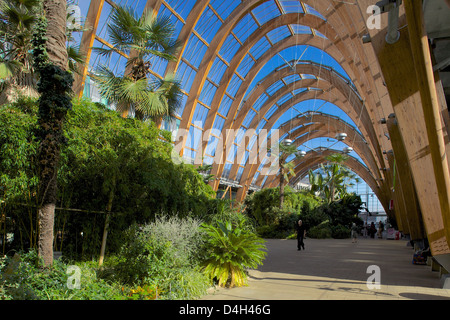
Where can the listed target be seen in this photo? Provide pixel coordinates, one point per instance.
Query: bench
(443, 273)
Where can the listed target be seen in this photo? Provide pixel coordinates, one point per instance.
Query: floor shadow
(340, 259)
(421, 296)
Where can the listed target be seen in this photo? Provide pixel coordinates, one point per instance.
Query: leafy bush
(163, 255)
(321, 231)
(282, 226)
(105, 157)
(26, 280)
(340, 232)
(230, 250)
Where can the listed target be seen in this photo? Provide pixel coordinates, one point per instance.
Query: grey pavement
(332, 269)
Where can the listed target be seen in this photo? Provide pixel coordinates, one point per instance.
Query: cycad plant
(230, 250)
(141, 39)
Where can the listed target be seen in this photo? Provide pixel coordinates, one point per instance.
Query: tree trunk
(53, 105)
(56, 14)
(281, 186)
(107, 220)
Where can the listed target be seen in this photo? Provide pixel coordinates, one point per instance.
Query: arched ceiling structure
(225, 48)
(244, 66)
(314, 158)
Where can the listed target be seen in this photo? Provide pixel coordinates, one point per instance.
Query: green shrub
(282, 226)
(340, 232)
(230, 250)
(28, 281)
(164, 255)
(321, 231)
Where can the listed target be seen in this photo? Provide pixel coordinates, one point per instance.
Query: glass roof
(224, 91)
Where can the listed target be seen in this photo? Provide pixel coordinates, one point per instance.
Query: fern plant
(230, 251)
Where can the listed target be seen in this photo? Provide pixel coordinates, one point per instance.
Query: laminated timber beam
(405, 180)
(351, 47)
(399, 209)
(321, 129)
(354, 105)
(318, 125)
(407, 69)
(86, 44)
(313, 159)
(321, 126)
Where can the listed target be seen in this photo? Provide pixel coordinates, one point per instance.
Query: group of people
(371, 230)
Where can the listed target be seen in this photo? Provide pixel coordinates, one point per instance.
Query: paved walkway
(332, 269)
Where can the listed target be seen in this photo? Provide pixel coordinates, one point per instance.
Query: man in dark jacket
(301, 233)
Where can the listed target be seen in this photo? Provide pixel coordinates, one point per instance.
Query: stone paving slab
(332, 269)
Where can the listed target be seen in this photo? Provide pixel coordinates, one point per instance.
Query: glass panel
(275, 87)
(284, 99)
(224, 8)
(217, 70)
(267, 11)
(229, 48)
(195, 50)
(245, 28)
(182, 7)
(245, 66)
(299, 29)
(291, 6)
(270, 112)
(234, 85)
(260, 48)
(208, 25)
(248, 119)
(208, 92)
(200, 114)
(186, 75)
(279, 34)
(218, 123)
(225, 105)
(260, 102)
(313, 11)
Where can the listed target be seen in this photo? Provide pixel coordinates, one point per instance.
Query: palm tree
(51, 62)
(17, 18)
(141, 39)
(286, 168)
(17, 25)
(334, 178)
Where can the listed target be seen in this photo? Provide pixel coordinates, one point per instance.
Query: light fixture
(366, 38)
(287, 142)
(341, 136)
(347, 150)
(301, 153)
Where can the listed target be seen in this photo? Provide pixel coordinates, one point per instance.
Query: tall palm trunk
(54, 86)
(281, 185)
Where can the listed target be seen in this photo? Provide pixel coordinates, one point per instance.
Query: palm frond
(9, 68)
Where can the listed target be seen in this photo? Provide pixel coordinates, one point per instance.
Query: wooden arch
(320, 126)
(346, 45)
(313, 159)
(356, 108)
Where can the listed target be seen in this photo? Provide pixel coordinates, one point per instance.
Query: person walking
(301, 233)
(372, 230)
(354, 233)
(380, 230)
